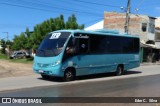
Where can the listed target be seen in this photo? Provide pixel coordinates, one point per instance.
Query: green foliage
(32, 40)
(3, 56)
(8, 42)
(26, 61)
(3, 45)
(19, 42)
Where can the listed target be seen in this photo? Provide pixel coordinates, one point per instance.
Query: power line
(140, 3)
(98, 4)
(137, 8)
(79, 5)
(4, 26)
(45, 5)
(34, 5)
(28, 7)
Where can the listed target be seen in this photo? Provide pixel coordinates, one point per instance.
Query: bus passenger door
(83, 64)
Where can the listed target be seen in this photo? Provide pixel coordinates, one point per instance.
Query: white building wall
(157, 44)
(98, 25)
(151, 29)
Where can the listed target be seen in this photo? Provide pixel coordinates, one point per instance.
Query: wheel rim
(69, 75)
(119, 71)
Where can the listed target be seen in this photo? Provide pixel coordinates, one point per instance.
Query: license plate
(41, 71)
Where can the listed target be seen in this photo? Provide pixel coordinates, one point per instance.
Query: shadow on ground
(86, 77)
(132, 72)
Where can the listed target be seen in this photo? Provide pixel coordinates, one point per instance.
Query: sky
(16, 15)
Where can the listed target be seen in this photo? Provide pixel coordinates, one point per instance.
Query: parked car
(19, 54)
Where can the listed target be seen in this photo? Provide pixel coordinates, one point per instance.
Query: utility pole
(126, 27)
(8, 46)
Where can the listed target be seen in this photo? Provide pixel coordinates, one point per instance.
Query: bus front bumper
(51, 71)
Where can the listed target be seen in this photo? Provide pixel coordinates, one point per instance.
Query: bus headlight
(56, 63)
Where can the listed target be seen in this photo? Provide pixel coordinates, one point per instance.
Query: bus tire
(119, 71)
(45, 76)
(69, 75)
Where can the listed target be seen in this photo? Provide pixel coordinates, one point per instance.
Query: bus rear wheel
(119, 71)
(69, 75)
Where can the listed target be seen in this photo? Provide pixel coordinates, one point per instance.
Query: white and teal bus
(71, 53)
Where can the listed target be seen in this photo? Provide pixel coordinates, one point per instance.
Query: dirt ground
(10, 69)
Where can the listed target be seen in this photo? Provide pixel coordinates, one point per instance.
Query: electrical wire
(98, 4)
(140, 3)
(37, 6)
(21, 4)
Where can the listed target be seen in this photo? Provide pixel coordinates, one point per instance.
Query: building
(98, 25)
(140, 25)
(157, 32)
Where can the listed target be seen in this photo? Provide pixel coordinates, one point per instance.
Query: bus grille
(43, 65)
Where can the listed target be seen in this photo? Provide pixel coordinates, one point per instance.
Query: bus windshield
(52, 44)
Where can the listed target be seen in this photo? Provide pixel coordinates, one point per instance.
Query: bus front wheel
(69, 75)
(119, 71)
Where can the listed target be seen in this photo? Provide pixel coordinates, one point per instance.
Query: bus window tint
(136, 45)
(113, 45)
(127, 45)
(97, 44)
(104, 44)
(83, 45)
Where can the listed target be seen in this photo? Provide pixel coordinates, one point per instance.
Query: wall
(157, 44)
(113, 20)
(151, 29)
(157, 35)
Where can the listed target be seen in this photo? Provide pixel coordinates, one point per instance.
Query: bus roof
(99, 32)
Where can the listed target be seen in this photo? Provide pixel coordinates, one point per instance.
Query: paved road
(146, 86)
(141, 82)
(35, 80)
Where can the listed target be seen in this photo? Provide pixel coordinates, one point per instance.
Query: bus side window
(83, 46)
(69, 50)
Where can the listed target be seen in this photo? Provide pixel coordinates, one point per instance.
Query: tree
(32, 40)
(27, 35)
(19, 42)
(72, 23)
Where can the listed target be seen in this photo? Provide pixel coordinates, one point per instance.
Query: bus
(72, 53)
